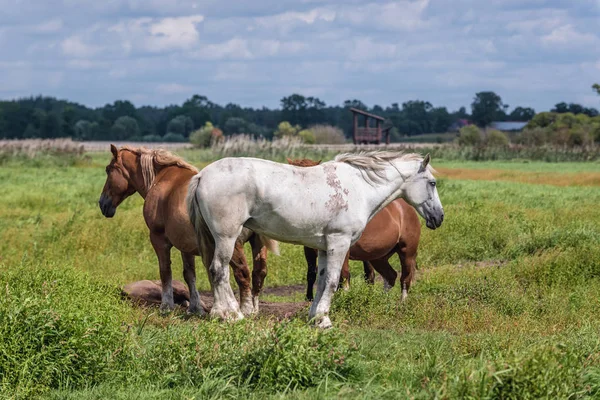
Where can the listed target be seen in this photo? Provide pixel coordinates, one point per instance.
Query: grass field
(505, 304)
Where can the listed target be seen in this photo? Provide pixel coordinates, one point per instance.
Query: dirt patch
(278, 310)
(538, 178)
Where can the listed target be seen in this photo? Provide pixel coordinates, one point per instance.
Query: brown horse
(394, 230)
(162, 179)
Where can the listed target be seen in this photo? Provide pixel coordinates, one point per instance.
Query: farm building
(368, 134)
(507, 126)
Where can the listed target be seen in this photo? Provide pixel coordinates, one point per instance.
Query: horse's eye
(432, 183)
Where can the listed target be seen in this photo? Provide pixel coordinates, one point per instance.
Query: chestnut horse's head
(303, 162)
(118, 185)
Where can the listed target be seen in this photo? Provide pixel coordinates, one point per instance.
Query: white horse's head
(420, 191)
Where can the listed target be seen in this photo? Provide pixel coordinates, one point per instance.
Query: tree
(293, 108)
(596, 87)
(182, 125)
(286, 129)
(51, 126)
(441, 119)
(486, 107)
(355, 104)
(235, 125)
(83, 130)
(125, 128)
(119, 108)
(198, 108)
(522, 114)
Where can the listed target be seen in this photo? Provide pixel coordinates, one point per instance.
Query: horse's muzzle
(435, 220)
(106, 206)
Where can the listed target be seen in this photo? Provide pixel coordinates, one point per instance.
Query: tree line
(48, 117)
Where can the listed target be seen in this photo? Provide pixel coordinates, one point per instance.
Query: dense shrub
(469, 135)
(206, 136)
(495, 138)
(152, 138)
(307, 136)
(327, 134)
(174, 138)
(57, 328)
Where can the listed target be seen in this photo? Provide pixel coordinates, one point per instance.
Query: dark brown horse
(162, 179)
(394, 230)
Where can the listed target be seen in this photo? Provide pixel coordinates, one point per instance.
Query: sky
(533, 53)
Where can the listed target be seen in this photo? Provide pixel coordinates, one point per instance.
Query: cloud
(74, 46)
(158, 35)
(567, 36)
(173, 88)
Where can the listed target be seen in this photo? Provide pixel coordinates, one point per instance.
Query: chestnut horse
(393, 230)
(162, 179)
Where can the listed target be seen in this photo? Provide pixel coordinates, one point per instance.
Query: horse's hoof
(247, 309)
(387, 286)
(324, 322)
(255, 305)
(404, 294)
(166, 308)
(226, 315)
(197, 310)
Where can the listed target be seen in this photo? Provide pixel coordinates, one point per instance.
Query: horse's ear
(114, 150)
(424, 163)
(319, 162)
(289, 161)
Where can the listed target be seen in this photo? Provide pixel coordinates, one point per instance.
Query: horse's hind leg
(409, 266)
(259, 269)
(369, 272)
(345, 273)
(388, 273)
(311, 273)
(241, 274)
(189, 274)
(162, 248)
(225, 305)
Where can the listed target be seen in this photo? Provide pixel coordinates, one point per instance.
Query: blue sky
(531, 52)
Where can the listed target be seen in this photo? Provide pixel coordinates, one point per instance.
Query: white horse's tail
(204, 237)
(271, 244)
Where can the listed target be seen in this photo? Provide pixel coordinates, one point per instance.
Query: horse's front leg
(311, 273)
(162, 248)
(189, 274)
(330, 266)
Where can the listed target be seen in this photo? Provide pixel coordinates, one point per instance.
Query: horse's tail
(271, 244)
(204, 237)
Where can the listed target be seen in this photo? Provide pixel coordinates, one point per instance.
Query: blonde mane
(373, 163)
(151, 157)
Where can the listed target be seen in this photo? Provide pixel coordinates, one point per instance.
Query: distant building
(507, 126)
(455, 127)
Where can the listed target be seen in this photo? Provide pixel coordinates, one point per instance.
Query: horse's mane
(151, 157)
(373, 163)
(303, 162)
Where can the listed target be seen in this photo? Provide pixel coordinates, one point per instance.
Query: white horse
(325, 207)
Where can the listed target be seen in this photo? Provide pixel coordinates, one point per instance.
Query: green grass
(505, 304)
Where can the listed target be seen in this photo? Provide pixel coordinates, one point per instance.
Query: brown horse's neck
(132, 164)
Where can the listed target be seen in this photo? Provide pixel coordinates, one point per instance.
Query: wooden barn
(367, 133)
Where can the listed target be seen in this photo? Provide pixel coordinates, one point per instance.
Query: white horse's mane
(373, 163)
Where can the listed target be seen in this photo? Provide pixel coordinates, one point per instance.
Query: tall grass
(39, 152)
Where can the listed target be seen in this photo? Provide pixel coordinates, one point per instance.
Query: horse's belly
(282, 231)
